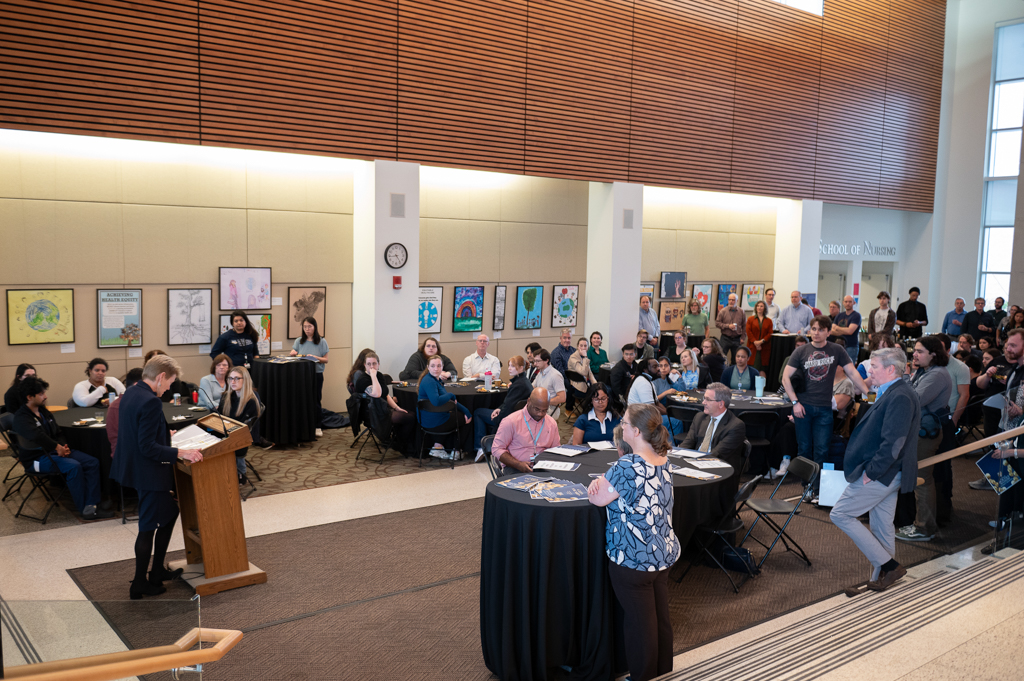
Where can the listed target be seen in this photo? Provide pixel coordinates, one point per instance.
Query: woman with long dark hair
(12, 399)
(417, 363)
(601, 414)
(239, 342)
(311, 344)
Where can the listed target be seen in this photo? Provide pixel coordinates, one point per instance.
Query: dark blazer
(621, 377)
(726, 444)
(884, 442)
(417, 363)
(518, 390)
(145, 459)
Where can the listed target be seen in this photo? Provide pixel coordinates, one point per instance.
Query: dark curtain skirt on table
(782, 348)
(288, 391)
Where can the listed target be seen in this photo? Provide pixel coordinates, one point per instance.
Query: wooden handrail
(132, 662)
(971, 447)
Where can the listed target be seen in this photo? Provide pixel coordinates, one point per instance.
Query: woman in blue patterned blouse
(639, 539)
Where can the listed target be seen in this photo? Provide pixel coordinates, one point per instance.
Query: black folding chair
(6, 423)
(760, 428)
(37, 479)
(574, 376)
(684, 415)
(492, 465)
(806, 471)
(730, 523)
(448, 427)
(521, 404)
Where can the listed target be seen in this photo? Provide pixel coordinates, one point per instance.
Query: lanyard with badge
(536, 437)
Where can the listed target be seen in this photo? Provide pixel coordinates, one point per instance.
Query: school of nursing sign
(865, 249)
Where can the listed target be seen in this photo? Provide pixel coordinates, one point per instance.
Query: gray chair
(492, 465)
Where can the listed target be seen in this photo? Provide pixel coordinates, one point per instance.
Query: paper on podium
(193, 437)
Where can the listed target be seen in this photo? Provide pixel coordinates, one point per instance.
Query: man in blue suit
(881, 462)
(145, 461)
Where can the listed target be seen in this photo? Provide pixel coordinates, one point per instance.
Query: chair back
(521, 404)
(683, 414)
(71, 403)
(745, 492)
(804, 469)
(492, 465)
(449, 426)
(574, 376)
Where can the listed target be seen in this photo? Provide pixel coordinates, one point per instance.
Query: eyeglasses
(600, 398)
(234, 378)
(708, 399)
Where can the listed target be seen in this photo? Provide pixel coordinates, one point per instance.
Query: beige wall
(112, 217)
(485, 229)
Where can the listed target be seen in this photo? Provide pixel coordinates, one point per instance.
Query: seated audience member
(741, 376)
(695, 325)
(240, 342)
(965, 343)
(665, 381)
(39, 435)
(417, 363)
(875, 341)
(720, 432)
(526, 433)
(713, 358)
(596, 353)
(644, 350)
(759, 336)
(531, 370)
(677, 348)
(374, 385)
(643, 392)
(486, 421)
(623, 372)
(241, 403)
(93, 391)
(12, 399)
(312, 344)
(547, 377)
(432, 388)
(579, 363)
(179, 387)
(358, 366)
(691, 374)
(213, 385)
(800, 340)
(1014, 320)
(842, 394)
(114, 411)
(480, 362)
(986, 343)
(601, 414)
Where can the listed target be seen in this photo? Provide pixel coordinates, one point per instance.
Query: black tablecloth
(782, 347)
(545, 598)
(467, 395)
(288, 391)
(604, 375)
(742, 401)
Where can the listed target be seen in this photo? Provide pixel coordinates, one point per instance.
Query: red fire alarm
(396, 282)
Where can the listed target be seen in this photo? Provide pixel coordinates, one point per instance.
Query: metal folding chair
(37, 479)
(492, 465)
(806, 471)
(571, 376)
(449, 427)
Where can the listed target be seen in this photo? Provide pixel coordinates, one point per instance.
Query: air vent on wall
(398, 205)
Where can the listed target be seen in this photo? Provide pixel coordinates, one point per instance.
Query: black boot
(139, 589)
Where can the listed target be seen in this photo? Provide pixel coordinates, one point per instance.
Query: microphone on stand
(223, 423)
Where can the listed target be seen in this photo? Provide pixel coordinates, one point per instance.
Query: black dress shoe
(161, 574)
(98, 515)
(106, 505)
(887, 579)
(140, 589)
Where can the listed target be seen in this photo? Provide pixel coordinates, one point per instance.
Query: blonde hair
(247, 393)
(647, 419)
(161, 364)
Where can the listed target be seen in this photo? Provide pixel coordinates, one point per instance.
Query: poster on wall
(36, 316)
(529, 303)
(702, 294)
(671, 313)
(565, 299)
(752, 293)
(260, 322)
(647, 290)
(306, 301)
(245, 288)
(189, 313)
(499, 308)
(811, 299)
(724, 291)
(673, 285)
(430, 309)
(469, 309)
(118, 318)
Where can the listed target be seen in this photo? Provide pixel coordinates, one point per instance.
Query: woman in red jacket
(759, 336)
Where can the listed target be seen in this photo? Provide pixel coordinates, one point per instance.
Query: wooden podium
(211, 512)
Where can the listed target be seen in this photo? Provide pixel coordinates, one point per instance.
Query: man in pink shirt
(525, 433)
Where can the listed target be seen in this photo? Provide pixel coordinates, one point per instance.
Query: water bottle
(111, 396)
(759, 382)
(487, 380)
(177, 399)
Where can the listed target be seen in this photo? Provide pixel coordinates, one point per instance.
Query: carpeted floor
(397, 596)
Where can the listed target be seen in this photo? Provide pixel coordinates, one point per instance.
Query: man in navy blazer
(881, 462)
(145, 461)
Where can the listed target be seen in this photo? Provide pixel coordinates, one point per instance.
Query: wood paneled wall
(732, 95)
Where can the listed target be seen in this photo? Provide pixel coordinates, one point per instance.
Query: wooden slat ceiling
(729, 95)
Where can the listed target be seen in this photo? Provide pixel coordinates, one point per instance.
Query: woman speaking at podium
(145, 461)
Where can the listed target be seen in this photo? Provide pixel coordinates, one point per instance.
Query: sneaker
(479, 455)
(319, 432)
(980, 483)
(814, 500)
(783, 467)
(912, 533)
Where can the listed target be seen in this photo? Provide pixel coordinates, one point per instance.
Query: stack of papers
(603, 444)
(708, 463)
(552, 490)
(568, 450)
(686, 453)
(690, 473)
(555, 466)
(193, 437)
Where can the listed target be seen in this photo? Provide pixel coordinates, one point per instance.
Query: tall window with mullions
(1003, 164)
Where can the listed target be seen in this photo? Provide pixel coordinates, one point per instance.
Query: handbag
(739, 559)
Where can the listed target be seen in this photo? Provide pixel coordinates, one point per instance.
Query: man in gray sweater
(881, 462)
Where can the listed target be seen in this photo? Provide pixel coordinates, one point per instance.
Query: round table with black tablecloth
(466, 393)
(288, 392)
(604, 374)
(783, 345)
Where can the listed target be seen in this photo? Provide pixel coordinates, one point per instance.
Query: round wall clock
(395, 255)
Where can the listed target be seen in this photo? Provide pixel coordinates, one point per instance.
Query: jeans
(482, 423)
(83, 475)
(813, 435)
(240, 465)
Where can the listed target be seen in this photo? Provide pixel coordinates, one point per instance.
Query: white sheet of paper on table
(687, 453)
(602, 444)
(708, 463)
(555, 466)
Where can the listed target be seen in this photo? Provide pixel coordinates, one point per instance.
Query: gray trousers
(925, 492)
(879, 502)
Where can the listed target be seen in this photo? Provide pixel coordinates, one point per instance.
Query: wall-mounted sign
(865, 249)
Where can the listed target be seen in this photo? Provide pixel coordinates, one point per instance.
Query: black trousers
(647, 624)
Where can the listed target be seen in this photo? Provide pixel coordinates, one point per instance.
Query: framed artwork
(430, 309)
(529, 303)
(812, 298)
(702, 294)
(564, 300)
(724, 290)
(119, 317)
(306, 301)
(647, 290)
(751, 294)
(245, 288)
(671, 313)
(260, 322)
(36, 316)
(469, 309)
(499, 308)
(673, 285)
(189, 316)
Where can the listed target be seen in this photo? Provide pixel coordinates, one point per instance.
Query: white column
(797, 247)
(386, 211)
(614, 247)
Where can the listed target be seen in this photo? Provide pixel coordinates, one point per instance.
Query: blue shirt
(639, 532)
(947, 323)
(560, 358)
(688, 380)
(795, 320)
(852, 341)
(882, 388)
(649, 323)
(308, 347)
(594, 430)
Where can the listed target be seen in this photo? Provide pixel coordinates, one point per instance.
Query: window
(812, 6)
(1003, 165)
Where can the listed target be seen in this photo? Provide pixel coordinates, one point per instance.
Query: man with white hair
(480, 362)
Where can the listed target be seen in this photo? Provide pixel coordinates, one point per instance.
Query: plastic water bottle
(488, 380)
(111, 396)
